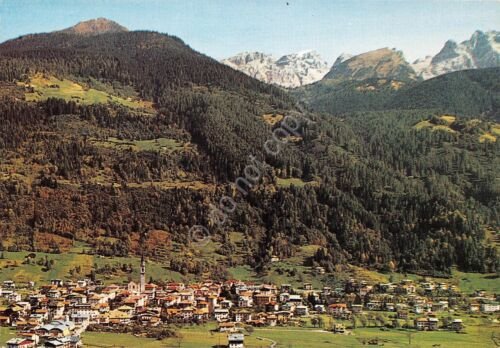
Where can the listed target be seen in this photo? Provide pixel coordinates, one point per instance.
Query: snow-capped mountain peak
(291, 70)
(482, 50)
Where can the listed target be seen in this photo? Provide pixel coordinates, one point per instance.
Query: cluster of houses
(54, 315)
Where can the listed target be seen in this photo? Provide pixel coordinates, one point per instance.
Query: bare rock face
(292, 70)
(381, 63)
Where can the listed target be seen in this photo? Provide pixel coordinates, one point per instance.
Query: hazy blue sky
(221, 28)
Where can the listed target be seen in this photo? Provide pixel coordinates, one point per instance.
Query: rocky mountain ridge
(482, 50)
(292, 70)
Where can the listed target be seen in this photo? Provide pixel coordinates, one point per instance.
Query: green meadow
(479, 334)
(202, 336)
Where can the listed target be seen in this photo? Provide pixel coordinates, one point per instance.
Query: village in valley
(56, 315)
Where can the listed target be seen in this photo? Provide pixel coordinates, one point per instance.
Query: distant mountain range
(292, 70)
(482, 50)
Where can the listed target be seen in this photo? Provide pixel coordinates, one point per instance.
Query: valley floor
(201, 336)
(480, 336)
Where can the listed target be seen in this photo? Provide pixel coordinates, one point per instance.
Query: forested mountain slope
(370, 189)
(339, 97)
(469, 92)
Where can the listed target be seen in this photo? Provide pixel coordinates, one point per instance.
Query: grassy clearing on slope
(12, 267)
(294, 182)
(448, 118)
(423, 124)
(495, 129)
(488, 130)
(468, 282)
(287, 271)
(51, 87)
(427, 124)
(155, 145)
(272, 119)
(167, 185)
(487, 137)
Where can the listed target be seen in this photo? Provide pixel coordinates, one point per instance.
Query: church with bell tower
(139, 288)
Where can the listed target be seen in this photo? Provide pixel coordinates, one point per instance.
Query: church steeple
(143, 274)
